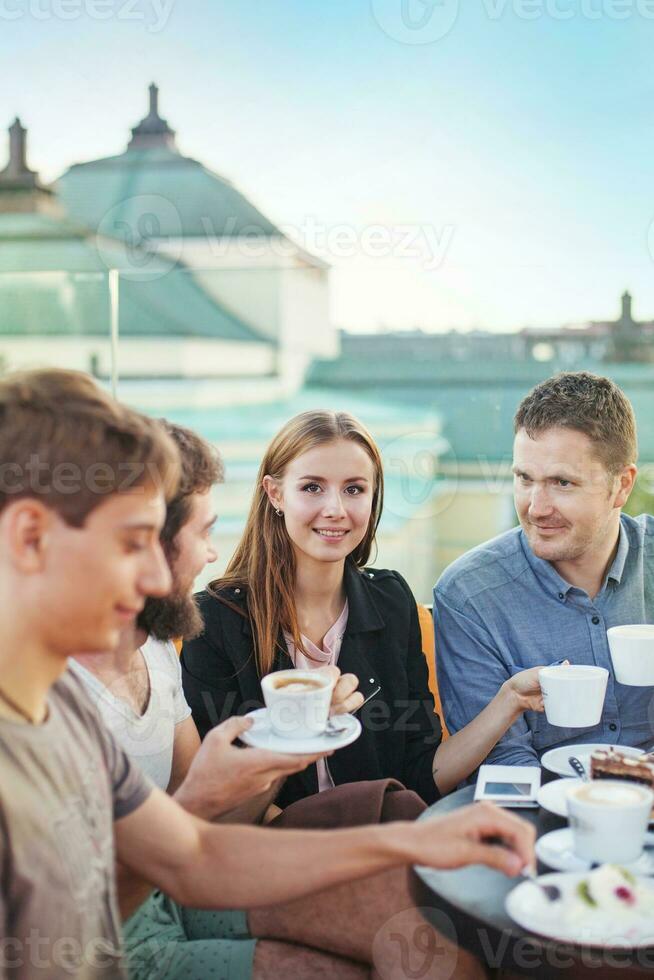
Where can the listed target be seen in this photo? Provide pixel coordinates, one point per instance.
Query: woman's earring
(280, 513)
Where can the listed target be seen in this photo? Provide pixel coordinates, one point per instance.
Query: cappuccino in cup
(298, 702)
(609, 819)
(609, 793)
(292, 684)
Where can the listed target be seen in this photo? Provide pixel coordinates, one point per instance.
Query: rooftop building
(156, 197)
(190, 298)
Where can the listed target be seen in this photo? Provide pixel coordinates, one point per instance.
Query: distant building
(207, 289)
(402, 353)
(154, 197)
(623, 341)
(55, 299)
(474, 383)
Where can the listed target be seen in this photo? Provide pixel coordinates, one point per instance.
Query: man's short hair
(588, 403)
(65, 441)
(201, 468)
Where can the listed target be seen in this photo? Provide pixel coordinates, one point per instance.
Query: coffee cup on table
(574, 694)
(298, 702)
(632, 653)
(609, 819)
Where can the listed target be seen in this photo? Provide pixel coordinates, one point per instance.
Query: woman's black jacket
(381, 645)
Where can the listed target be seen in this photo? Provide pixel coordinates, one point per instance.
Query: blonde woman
(298, 592)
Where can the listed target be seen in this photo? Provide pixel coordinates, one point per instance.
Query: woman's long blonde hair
(264, 561)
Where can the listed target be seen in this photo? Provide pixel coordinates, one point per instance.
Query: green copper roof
(477, 399)
(156, 192)
(54, 280)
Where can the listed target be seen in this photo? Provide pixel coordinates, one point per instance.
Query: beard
(175, 617)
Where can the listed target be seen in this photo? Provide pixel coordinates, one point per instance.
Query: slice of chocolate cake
(611, 763)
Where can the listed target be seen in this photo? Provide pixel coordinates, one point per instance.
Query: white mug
(609, 819)
(573, 694)
(632, 653)
(298, 702)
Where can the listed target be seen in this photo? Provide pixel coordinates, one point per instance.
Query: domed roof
(54, 281)
(152, 191)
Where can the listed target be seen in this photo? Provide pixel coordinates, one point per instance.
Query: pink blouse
(331, 647)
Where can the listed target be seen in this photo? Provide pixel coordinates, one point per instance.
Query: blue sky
(506, 164)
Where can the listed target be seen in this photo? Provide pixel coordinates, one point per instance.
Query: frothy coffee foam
(294, 686)
(611, 795)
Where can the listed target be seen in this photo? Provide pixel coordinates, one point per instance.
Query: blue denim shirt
(499, 609)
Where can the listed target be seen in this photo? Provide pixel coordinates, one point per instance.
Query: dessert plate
(553, 796)
(556, 760)
(261, 736)
(560, 920)
(556, 851)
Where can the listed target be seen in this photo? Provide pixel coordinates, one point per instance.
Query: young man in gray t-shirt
(63, 784)
(83, 489)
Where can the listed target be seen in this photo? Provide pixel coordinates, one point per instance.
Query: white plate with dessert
(605, 762)
(556, 760)
(607, 908)
(556, 850)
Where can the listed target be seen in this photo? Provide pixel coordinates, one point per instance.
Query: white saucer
(556, 760)
(555, 850)
(553, 796)
(531, 909)
(261, 736)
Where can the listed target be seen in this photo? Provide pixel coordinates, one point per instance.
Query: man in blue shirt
(549, 589)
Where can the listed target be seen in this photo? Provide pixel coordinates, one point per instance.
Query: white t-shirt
(147, 739)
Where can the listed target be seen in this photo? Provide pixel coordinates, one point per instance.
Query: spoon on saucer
(578, 767)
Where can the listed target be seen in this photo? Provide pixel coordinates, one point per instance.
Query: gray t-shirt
(148, 739)
(63, 784)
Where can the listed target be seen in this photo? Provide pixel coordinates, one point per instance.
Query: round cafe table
(468, 904)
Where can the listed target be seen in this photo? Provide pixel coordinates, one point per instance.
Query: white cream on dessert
(612, 889)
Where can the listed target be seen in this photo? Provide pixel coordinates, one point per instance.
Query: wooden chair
(429, 650)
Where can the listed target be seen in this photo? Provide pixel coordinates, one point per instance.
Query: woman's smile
(331, 534)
